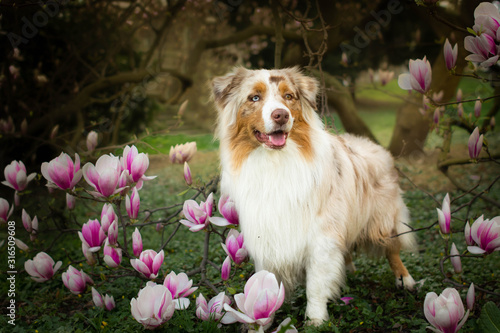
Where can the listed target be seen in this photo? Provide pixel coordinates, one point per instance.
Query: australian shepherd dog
(306, 198)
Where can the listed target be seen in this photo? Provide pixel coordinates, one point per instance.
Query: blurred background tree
(121, 67)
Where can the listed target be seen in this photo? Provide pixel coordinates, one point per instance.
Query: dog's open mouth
(274, 140)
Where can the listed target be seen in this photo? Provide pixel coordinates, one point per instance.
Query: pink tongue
(277, 139)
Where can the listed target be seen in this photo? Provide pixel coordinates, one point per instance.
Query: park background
(138, 73)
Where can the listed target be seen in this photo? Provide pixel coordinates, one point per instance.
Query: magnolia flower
(213, 310)
(103, 177)
(226, 269)
(5, 211)
(385, 76)
(92, 235)
(109, 302)
(262, 297)
(42, 267)
(15, 176)
(112, 255)
(75, 280)
(475, 144)
(113, 233)
(460, 110)
(485, 234)
(89, 255)
(486, 19)
(187, 174)
(477, 107)
(136, 242)
(108, 216)
(136, 164)
(30, 225)
(450, 55)
(179, 286)
(483, 49)
(228, 210)
(62, 172)
(444, 215)
(455, 259)
(97, 298)
(70, 201)
(471, 295)
(92, 141)
(445, 311)
(197, 215)
(182, 153)
(419, 78)
(133, 203)
(7, 126)
(234, 247)
(21, 245)
(149, 263)
(153, 305)
(346, 299)
(459, 95)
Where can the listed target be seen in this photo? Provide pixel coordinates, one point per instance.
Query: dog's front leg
(325, 276)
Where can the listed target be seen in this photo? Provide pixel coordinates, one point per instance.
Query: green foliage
(489, 321)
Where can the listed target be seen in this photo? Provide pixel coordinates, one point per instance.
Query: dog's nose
(280, 116)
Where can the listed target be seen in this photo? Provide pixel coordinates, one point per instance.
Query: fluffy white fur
(300, 215)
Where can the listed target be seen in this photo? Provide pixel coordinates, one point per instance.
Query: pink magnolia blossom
(471, 295)
(385, 76)
(61, 172)
(109, 302)
(455, 259)
(89, 255)
(182, 153)
(135, 163)
(487, 20)
(483, 50)
(153, 305)
(136, 242)
(97, 298)
(15, 176)
(70, 201)
(444, 215)
(346, 299)
(214, 309)
(197, 215)
(133, 203)
(445, 311)
(262, 297)
(103, 177)
(226, 269)
(475, 144)
(42, 267)
(21, 245)
(450, 54)
(419, 78)
(227, 209)
(5, 210)
(285, 323)
(180, 287)
(187, 174)
(459, 95)
(149, 263)
(113, 233)
(75, 280)
(477, 107)
(485, 234)
(92, 235)
(108, 216)
(112, 255)
(235, 247)
(92, 140)
(30, 225)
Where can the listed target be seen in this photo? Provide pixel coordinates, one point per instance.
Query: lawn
(377, 305)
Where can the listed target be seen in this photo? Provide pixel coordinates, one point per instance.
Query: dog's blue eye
(256, 98)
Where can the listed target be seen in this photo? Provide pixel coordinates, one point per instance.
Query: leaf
(472, 31)
(489, 321)
(183, 192)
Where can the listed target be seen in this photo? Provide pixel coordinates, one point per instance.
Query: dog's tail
(404, 231)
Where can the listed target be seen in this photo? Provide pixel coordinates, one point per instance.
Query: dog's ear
(308, 88)
(224, 86)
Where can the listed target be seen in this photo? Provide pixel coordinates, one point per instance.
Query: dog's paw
(350, 267)
(406, 282)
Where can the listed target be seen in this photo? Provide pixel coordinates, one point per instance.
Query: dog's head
(264, 107)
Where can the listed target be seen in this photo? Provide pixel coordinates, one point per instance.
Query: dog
(306, 198)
